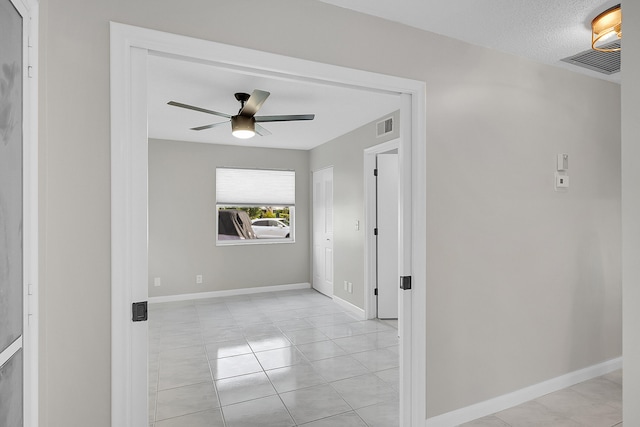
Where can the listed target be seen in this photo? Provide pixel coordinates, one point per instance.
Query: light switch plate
(563, 162)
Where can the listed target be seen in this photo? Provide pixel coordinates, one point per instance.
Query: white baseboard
(227, 293)
(350, 307)
(500, 403)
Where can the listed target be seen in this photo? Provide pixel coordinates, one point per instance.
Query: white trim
(390, 145)
(370, 222)
(8, 352)
(414, 321)
(129, 163)
(138, 155)
(526, 394)
(29, 10)
(228, 293)
(129, 267)
(31, 229)
(350, 307)
(121, 347)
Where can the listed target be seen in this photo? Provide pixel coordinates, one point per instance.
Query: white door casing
(129, 200)
(323, 231)
(20, 147)
(387, 237)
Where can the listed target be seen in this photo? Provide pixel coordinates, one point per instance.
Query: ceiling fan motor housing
(242, 97)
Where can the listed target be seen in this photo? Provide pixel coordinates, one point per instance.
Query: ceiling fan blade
(202, 110)
(254, 103)
(287, 118)
(262, 131)
(209, 126)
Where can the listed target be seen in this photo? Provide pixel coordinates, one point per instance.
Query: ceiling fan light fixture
(243, 127)
(243, 124)
(606, 28)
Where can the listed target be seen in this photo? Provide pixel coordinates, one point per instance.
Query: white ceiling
(337, 110)
(542, 30)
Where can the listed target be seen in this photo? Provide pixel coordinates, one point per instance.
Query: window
(255, 205)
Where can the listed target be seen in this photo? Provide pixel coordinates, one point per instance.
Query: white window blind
(255, 187)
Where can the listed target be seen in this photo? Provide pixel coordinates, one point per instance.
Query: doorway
(130, 46)
(387, 235)
(382, 217)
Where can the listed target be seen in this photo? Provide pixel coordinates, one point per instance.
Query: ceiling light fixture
(606, 28)
(243, 127)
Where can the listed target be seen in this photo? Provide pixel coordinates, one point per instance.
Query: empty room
(516, 203)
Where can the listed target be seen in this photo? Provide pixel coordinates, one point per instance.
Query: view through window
(255, 205)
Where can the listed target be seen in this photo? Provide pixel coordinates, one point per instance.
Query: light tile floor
(593, 403)
(290, 358)
(295, 358)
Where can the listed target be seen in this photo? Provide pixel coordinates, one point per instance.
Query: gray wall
(523, 283)
(631, 210)
(346, 155)
(182, 221)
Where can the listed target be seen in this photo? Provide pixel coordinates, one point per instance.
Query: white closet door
(323, 231)
(387, 241)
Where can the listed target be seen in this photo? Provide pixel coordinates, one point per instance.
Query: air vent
(384, 127)
(602, 62)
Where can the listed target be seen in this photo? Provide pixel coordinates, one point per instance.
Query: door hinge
(375, 291)
(29, 66)
(405, 282)
(375, 231)
(139, 311)
(29, 301)
(375, 172)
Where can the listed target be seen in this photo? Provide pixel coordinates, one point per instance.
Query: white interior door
(387, 238)
(323, 231)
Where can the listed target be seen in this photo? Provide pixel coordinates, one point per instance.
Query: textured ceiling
(542, 30)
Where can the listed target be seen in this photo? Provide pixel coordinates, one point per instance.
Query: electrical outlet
(199, 279)
(350, 287)
(156, 281)
(562, 182)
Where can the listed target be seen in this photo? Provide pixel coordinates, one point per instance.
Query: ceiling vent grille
(602, 62)
(384, 127)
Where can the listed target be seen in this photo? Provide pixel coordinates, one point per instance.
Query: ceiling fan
(245, 123)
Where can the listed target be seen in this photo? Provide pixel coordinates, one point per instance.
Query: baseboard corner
(350, 307)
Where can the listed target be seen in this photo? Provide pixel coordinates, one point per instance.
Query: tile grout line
(295, 346)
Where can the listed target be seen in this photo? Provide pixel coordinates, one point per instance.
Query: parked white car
(270, 228)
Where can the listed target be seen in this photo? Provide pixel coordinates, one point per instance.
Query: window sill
(250, 242)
